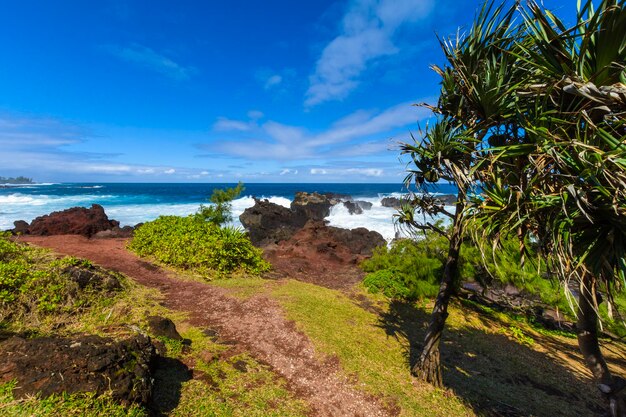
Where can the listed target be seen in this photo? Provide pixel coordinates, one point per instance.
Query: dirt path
(257, 324)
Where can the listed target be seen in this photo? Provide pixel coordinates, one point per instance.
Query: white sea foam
(378, 218)
(131, 214)
(18, 206)
(19, 199)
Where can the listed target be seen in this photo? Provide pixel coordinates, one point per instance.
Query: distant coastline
(16, 181)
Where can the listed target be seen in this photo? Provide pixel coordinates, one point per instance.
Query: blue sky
(218, 91)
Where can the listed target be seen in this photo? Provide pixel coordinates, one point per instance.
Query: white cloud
(150, 59)
(224, 124)
(367, 33)
(45, 148)
(361, 133)
(272, 81)
(289, 171)
(368, 172)
(340, 172)
(318, 171)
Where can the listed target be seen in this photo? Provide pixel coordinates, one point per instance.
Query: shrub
(411, 269)
(195, 244)
(408, 269)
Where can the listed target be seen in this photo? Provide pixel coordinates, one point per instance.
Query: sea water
(132, 203)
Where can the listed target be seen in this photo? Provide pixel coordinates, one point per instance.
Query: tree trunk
(428, 366)
(587, 327)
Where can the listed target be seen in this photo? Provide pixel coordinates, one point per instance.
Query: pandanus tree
(557, 174)
(474, 85)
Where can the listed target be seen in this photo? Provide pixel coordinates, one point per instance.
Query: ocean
(132, 203)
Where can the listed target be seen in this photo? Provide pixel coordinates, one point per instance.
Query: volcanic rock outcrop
(83, 221)
(324, 254)
(268, 222)
(312, 206)
(357, 206)
(52, 365)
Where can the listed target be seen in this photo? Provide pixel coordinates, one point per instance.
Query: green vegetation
(74, 405)
(499, 362)
(220, 212)
(36, 288)
(340, 328)
(408, 269)
(411, 270)
(201, 246)
(227, 385)
(530, 128)
(201, 243)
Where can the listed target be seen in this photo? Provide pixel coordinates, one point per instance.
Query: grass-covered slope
(493, 363)
(39, 293)
(43, 295)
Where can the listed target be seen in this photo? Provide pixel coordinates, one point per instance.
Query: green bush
(412, 269)
(408, 269)
(194, 244)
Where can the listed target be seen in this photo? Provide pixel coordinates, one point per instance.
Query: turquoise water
(133, 203)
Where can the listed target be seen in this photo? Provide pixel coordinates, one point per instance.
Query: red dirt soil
(257, 325)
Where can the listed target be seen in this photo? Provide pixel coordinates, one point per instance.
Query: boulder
(96, 278)
(313, 206)
(353, 208)
(163, 327)
(21, 227)
(116, 232)
(343, 245)
(357, 206)
(393, 202)
(53, 365)
(268, 222)
(365, 205)
(336, 198)
(74, 221)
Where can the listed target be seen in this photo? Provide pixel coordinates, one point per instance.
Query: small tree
(473, 95)
(557, 174)
(220, 212)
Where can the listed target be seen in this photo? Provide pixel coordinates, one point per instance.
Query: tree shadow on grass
(169, 375)
(494, 374)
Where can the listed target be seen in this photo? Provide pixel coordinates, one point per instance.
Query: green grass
(74, 405)
(226, 384)
(492, 364)
(338, 327)
(37, 291)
